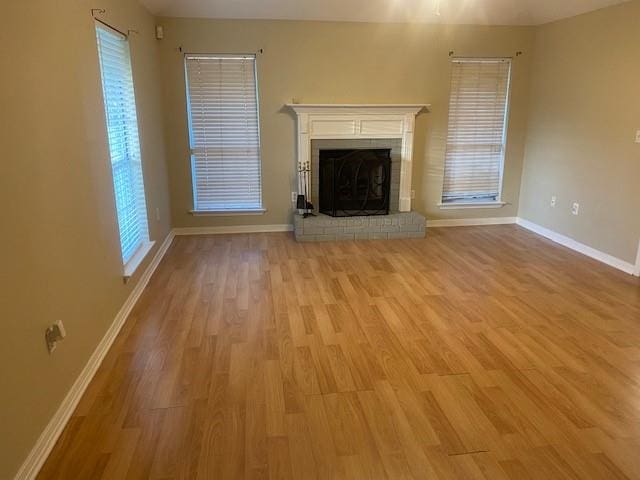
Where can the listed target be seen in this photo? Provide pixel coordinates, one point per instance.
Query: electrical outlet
(294, 197)
(554, 200)
(54, 334)
(575, 208)
(637, 136)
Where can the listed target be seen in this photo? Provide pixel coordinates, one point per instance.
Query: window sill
(134, 262)
(461, 205)
(227, 213)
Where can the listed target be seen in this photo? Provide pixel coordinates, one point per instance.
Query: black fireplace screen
(355, 182)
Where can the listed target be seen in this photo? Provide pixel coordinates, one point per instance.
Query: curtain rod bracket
(102, 11)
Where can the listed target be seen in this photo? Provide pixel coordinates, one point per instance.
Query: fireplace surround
(393, 144)
(358, 121)
(356, 127)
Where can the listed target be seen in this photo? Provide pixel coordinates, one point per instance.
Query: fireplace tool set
(302, 202)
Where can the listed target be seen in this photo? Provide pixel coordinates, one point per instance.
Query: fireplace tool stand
(302, 202)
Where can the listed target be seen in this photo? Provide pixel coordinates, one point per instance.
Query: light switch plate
(637, 136)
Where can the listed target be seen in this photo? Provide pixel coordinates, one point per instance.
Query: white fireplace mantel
(358, 121)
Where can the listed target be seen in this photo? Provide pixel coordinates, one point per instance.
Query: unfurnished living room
(320, 239)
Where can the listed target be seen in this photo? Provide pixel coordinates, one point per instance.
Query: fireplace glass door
(354, 182)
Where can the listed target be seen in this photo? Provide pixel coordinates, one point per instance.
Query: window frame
(131, 262)
(261, 210)
(498, 202)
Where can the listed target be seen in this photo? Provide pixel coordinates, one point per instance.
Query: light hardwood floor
(481, 352)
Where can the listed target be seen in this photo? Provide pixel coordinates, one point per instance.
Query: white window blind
(476, 138)
(124, 148)
(224, 134)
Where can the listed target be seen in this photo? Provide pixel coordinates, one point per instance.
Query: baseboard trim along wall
(637, 272)
(233, 229)
(471, 222)
(45, 443)
(581, 248)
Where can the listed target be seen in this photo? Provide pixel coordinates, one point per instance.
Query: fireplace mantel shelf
(357, 121)
(387, 108)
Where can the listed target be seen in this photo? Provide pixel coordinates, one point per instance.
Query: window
(124, 148)
(478, 110)
(224, 136)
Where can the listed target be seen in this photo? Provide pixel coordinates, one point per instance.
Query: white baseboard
(232, 229)
(470, 222)
(45, 443)
(580, 247)
(637, 271)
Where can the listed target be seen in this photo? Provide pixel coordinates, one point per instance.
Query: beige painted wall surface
(323, 62)
(59, 243)
(585, 110)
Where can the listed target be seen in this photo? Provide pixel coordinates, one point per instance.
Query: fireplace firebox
(354, 182)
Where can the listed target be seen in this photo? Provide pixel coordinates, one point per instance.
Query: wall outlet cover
(575, 208)
(54, 334)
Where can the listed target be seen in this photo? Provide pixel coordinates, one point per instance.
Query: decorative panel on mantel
(332, 127)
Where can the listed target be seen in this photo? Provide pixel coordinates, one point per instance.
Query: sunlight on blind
(224, 135)
(124, 148)
(477, 122)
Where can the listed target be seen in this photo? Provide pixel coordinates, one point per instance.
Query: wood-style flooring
(476, 353)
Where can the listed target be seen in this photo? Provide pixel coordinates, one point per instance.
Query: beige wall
(324, 62)
(585, 110)
(59, 243)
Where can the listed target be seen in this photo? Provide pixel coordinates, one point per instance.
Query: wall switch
(294, 197)
(157, 214)
(413, 194)
(554, 200)
(637, 136)
(575, 208)
(54, 334)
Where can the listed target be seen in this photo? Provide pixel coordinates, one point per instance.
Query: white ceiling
(482, 12)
